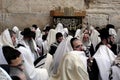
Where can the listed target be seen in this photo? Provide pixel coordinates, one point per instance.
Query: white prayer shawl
(71, 68)
(62, 49)
(104, 58)
(94, 37)
(51, 38)
(4, 75)
(38, 33)
(32, 72)
(59, 27)
(27, 46)
(77, 33)
(2, 58)
(5, 38)
(115, 73)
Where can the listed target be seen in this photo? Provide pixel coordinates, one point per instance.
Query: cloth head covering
(15, 29)
(104, 58)
(62, 49)
(38, 33)
(59, 28)
(6, 38)
(2, 58)
(51, 38)
(77, 33)
(112, 32)
(71, 67)
(118, 36)
(94, 37)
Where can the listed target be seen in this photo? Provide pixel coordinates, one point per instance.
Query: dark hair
(11, 32)
(10, 53)
(58, 35)
(35, 26)
(71, 41)
(15, 78)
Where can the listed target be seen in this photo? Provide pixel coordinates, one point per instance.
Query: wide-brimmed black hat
(104, 34)
(27, 32)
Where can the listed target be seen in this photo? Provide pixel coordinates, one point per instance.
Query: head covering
(104, 58)
(62, 49)
(77, 33)
(51, 38)
(27, 32)
(2, 58)
(71, 67)
(59, 28)
(47, 28)
(6, 38)
(15, 29)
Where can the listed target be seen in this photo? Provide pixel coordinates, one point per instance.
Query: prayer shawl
(5, 38)
(32, 72)
(115, 69)
(4, 75)
(71, 68)
(63, 48)
(2, 58)
(104, 58)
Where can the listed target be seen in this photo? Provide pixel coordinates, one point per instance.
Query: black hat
(104, 34)
(27, 32)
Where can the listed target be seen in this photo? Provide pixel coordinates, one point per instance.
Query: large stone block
(97, 19)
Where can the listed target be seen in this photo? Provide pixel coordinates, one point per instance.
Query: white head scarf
(38, 33)
(62, 49)
(77, 33)
(51, 38)
(2, 58)
(15, 29)
(6, 38)
(104, 58)
(94, 37)
(59, 28)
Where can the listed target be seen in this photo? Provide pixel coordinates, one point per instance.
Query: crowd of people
(54, 54)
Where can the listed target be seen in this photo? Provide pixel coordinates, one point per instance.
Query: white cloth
(2, 58)
(62, 49)
(51, 37)
(118, 36)
(115, 73)
(5, 38)
(71, 68)
(34, 46)
(104, 58)
(94, 37)
(38, 33)
(4, 75)
(32, 72)
(77, 33)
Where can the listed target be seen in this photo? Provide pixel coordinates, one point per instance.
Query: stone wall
(24, 13)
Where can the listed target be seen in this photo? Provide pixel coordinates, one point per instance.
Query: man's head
(76, 44)
(59, 37)
(12, 57)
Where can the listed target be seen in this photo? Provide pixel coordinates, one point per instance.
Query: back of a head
(10, 53)
(34, 26)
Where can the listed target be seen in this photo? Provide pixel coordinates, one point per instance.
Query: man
(73, 64)
(14, 60)
(53, 47)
